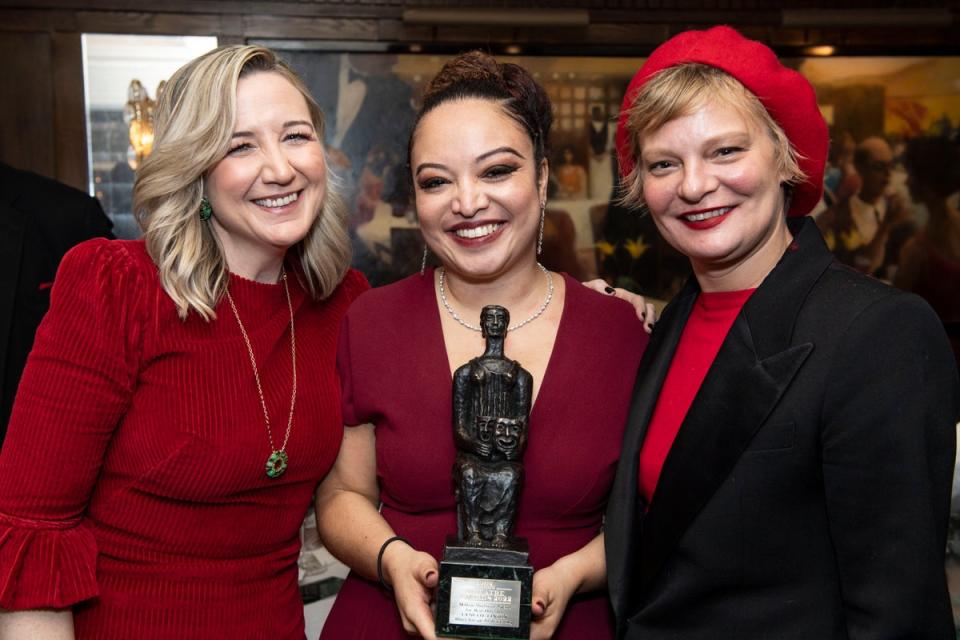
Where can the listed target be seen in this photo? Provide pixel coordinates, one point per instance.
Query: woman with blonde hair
(786, 468)
(180, 404)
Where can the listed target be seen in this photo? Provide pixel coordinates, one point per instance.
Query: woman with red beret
(787, 461)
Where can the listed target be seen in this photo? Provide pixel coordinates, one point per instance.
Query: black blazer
(40, 220)
(807, 492)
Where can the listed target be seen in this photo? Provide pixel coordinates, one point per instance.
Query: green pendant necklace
(278, 459)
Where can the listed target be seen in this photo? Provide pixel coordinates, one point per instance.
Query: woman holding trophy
(479, 168)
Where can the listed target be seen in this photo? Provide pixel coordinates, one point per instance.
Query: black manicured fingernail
(608, 290)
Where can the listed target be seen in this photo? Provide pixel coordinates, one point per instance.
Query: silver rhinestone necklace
(474, 327)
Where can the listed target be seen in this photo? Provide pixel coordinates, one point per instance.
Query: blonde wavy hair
(682, 89)
(193, 126)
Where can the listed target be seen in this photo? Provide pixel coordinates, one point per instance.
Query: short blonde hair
(679, 91)
(193, 126)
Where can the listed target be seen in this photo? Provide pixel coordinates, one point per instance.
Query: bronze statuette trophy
(485, 576)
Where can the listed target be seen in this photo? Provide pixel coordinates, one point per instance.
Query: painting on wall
(893, 175)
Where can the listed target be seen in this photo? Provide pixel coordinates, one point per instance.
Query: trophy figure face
(507, 436)
(485, 429)
(494, 321)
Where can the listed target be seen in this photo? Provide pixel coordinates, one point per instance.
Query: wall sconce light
(138, 114)
(821, 50)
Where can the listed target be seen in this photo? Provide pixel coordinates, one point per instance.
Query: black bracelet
(383, 548)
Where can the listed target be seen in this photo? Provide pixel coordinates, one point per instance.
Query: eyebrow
(511, 150)
(286, 125)
(480, 158)
(734, 137)
(428, 165)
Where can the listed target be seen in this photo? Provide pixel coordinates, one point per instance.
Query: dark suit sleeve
(889, 439)
(97, 223)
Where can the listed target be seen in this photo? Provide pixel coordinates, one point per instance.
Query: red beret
(786, 95)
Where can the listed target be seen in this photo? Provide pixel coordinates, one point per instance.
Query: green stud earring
(205, 209)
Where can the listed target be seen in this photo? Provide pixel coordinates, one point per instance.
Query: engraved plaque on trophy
(485, 575)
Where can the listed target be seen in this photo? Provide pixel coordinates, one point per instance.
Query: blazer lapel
(626, 506)
(752, 370)
(735, 399)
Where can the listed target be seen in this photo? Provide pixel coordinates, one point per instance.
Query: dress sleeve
(888, 453)
(354, 283)
(348, 402)
(76, 387)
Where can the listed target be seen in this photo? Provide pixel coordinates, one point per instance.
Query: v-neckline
(440, 349)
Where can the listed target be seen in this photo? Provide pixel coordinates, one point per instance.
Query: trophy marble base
(484, 592)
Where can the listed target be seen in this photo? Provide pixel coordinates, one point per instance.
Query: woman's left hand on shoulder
(645, 310)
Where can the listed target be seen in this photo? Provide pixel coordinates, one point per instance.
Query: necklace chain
(277, 462)
(474, 327)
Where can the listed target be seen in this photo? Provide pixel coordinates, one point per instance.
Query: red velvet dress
(132, 477)
(395, 374)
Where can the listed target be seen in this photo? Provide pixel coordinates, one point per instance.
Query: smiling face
(268, 190)
(506, 434)
(477, 190)
(710, 182)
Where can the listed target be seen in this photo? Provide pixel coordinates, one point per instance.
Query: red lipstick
(706, 223)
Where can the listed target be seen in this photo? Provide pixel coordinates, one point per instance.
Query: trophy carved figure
(491, 405)
(486, 579)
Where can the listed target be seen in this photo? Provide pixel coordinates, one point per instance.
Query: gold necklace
(277, 462)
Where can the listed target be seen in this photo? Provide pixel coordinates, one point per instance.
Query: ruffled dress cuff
(46, 564)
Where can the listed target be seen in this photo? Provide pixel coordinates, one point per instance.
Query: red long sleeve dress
(132, 483)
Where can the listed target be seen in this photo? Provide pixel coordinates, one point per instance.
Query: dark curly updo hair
(478, 75)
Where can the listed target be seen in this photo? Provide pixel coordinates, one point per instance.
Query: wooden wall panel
(27, 136)
(148, 23)
(70, 118)
(360, 29)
